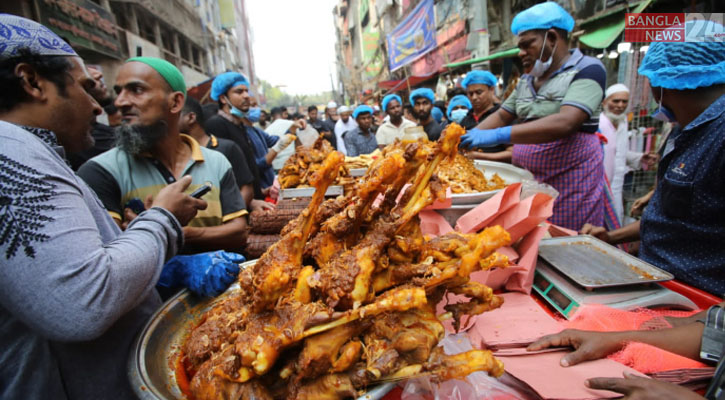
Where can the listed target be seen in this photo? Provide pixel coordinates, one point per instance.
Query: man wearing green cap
(152, 153)
(557, 103)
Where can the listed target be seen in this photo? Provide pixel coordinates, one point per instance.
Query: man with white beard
(618, 159)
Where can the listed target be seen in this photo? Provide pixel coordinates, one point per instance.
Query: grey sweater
(74, 289)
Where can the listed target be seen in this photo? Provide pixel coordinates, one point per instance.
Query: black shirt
(235, 156)
(105, 139)
(433, 130)
(225, 129)
(470, 122)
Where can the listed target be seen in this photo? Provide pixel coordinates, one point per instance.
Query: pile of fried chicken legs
(346, 299)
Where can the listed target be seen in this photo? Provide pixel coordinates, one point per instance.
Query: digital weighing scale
(566, 296)
(577, 270)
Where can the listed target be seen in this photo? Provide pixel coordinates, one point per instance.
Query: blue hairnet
(437, 114)
(422, 92)
(478, 78)
(223, 82)
(684, 65)
(542, 16)
(362, 109)
(459, 100)
(387, 100)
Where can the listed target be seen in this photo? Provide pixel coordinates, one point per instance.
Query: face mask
(663, 113)
(542, 66)
(237, 112)
(458, 115)
(254, 114)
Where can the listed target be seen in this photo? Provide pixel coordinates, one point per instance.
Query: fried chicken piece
(268, 333)
(481, 300)
(276, 271)
(446, 247)
(331, 351)
(219, 323)
(341, 229)
(326, 387)
(208, 385)
(458, 366)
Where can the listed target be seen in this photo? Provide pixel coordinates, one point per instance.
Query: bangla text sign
(413, 37)
(673, 27)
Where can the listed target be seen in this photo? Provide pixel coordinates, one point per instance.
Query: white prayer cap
(616, 88)
(332, 104)
(343, 109)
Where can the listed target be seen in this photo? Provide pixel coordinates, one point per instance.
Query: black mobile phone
(201, 191)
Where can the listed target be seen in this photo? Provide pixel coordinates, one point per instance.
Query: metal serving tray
(592, 263)
(309, 191)
(507, 172)
(358, 171)
(153, 357)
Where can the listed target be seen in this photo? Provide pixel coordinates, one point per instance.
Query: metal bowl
(152, 362)
(507, 172)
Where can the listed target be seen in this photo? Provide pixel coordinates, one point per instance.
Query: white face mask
(458, 115)
(540, 67)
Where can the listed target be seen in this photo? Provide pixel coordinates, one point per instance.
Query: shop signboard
(82, 23)
(373, 58)
(413, 37)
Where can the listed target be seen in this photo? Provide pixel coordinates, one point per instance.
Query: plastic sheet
(642, 357)
(532, 187)
(477, 385)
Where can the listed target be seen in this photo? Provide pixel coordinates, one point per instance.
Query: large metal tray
(358, 171)
(153, 357)
(309, 191)
(592, 263)
(507, 172)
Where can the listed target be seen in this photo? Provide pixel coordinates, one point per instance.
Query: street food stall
(370, 295)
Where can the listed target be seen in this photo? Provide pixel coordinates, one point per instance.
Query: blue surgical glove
(486, 137)
(205, 274)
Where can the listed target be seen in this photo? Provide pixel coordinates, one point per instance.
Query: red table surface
(700, 298)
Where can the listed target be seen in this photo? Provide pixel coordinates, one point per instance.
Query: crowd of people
(97, 224)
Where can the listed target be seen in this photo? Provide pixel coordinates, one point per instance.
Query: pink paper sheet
(485, 212)
(525, 215)
(543, 373)
(556, 231)
(519, 320)
(433, 224)
(522, 280)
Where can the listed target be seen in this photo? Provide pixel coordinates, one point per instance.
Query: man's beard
(422, 116)
(615, 118)
(138, 139)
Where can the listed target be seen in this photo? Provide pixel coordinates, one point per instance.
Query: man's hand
(639, 204)
(129, 214)
(261, 205)
(173, 199)
(637, 388)
(588, 345)
(598, 232)
(486, 137)
(650, 159)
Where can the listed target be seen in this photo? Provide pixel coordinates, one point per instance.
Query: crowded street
(362, 199)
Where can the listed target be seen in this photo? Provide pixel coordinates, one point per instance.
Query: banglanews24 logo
(674, 27)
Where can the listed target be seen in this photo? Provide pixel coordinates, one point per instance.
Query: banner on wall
(413, 37)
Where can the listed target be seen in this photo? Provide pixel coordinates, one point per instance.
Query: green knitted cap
(167, 70)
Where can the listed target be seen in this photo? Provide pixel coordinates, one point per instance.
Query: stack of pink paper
(523, 220)
(509, 329)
